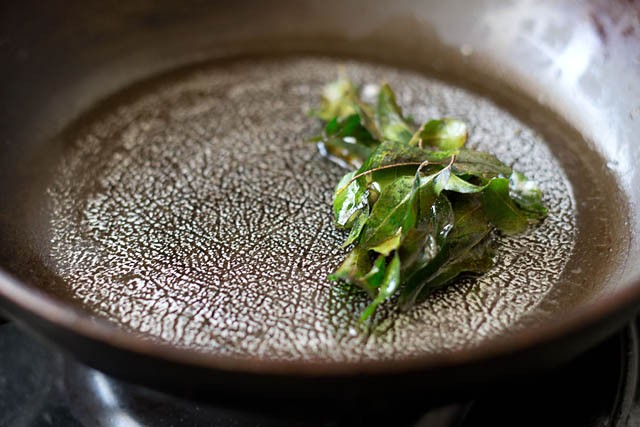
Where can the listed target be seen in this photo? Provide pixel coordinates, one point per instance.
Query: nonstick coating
(195, 211)
(160, 245)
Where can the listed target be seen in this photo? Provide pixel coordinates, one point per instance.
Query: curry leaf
(349, 199)
(478, 259)
(367, 117)
(480, 165)
(455, 256)
(405, 160)
(375, 276)
(420, 208)
(339, 150)
(354, 268)
(391, 123)
(459, 185)
(336, 100)
(527, 195)
(443, 134)
(471, 224)
(350, 127)
(387, 215)
(425, 241)
(501, 209)
(347, 140)
(396, 211)
(356, 228)
(387, 288)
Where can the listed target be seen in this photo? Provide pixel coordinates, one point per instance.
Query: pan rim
(73, 319)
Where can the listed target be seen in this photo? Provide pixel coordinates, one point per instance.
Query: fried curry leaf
(484, 166)
(367, 117)
(387, 288)
(470, 228)
(375, 276)
(346, 139)
(527, 195)
(471, 224)
(459, 185)
(425, 241)
(443, 134)
(420, 208)
(478, 259)
(349, 198)
(393, 126)
(501, 210)
(336, 100)
(398, 209)
(393, 152)
(356, 228)
(354, 268)
(384, 227)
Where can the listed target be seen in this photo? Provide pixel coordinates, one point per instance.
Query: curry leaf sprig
(420, 208)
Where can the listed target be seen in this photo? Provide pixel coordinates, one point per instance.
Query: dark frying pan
(162, 219)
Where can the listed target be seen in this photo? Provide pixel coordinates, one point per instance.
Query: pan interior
(190, 209)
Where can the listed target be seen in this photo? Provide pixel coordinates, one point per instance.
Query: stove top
(39, 386)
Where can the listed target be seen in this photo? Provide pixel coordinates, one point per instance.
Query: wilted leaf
(346, 140)
(477, 260)
(527, 195)
(336, 100)
(467, 249)
(354, 268)
(443, 134)
(391, 123)
(501, 210)
(358, 225)
(479, 164)
(387, 288)
(420, 208)
(350, 197)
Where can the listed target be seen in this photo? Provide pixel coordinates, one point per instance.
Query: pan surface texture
(198, 214)
(164, 218)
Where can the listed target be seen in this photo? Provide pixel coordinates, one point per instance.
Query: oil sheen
(192, 210)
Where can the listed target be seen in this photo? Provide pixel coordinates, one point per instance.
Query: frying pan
(162, 219)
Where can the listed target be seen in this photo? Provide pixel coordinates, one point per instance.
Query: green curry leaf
(350, 198)
(393, 126)
(336, 100)
(443, 134)
(356, 228)
(419, 207)
(478, 164)
(388, 287)
(501, 209)
(527, 195)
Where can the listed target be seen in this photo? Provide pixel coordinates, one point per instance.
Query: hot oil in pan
(195, 212)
